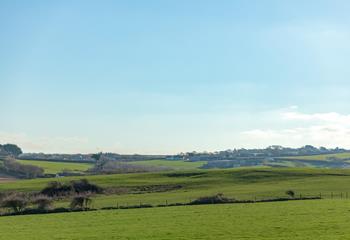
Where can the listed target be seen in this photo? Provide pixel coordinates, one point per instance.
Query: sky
(163, 77)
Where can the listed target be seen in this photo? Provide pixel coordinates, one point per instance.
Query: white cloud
(52, 145)
(321, 129)
(331, 117)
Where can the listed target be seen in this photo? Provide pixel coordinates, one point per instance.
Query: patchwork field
(317, 219)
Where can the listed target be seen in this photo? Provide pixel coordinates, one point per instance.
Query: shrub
(43, 202)
(290, 193)
(81, 202)
(83, 186)
(16, 202)
(218, 198)
(57, 189)
(13, 167)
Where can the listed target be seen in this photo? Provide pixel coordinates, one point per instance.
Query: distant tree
(12, 149)
(290, 193)
(96, 156)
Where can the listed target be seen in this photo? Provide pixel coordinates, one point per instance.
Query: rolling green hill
(183, 186)
(311, 219)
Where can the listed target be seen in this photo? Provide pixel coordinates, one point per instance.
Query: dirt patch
(6, 179)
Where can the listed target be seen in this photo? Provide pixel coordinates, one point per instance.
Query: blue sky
(173, 76)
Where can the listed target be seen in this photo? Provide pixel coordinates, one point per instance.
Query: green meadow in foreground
(305, 219)
(311, 219)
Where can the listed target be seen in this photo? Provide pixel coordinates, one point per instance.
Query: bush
(43, 202)
(15, 202)
(218, 198)
(83, 186)
(58, 189)
(13, 167)
(81, 202)
(290, 193)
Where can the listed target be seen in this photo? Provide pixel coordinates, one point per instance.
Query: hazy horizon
(163, 77)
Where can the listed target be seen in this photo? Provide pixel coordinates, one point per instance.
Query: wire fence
(253, 199)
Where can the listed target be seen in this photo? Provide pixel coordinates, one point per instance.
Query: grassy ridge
(321, 219)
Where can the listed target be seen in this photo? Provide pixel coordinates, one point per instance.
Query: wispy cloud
(48, 144)
(331, 117)
(321, 129)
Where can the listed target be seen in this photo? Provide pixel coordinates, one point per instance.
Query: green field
(173, 164)
(242, 184)
(57, 167)
(322, 157)
(307, 219)
(318, 219)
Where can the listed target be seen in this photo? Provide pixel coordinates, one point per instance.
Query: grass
(56, 167)
(300, 220)
(173, 164)
(312, 219)
(322, 157)
(242, 184)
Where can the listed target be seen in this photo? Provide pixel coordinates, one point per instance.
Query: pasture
(322, 157)
(51, 167)
(316, 219)
(184, 186)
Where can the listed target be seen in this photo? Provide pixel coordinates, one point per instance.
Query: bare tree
(16, 202)
(81, 202)
(43, 202)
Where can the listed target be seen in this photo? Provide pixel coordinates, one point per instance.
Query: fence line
(258, 198)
